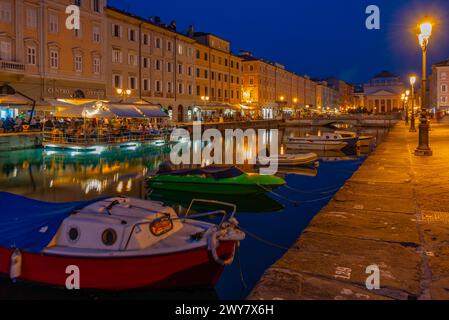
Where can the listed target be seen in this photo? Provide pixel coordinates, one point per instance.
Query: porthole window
(73, 234)
(109, 237)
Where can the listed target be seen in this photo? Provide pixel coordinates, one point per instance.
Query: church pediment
(383, 93)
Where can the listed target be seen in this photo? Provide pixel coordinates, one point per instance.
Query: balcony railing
(12, 66)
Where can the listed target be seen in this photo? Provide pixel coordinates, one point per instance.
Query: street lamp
(423, 146)
(124, 92)
(403, 108)
(412, 124)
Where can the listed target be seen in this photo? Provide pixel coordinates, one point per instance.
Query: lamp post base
(423, 147)
(412, 130)
(423, 153)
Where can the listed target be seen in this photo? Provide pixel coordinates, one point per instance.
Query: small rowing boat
(213, 180)
(113, 244)
(313, 144)
(291, 160)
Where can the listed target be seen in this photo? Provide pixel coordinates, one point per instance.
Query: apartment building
(439, 87)
(218, 74)
(271, 88)
(41, 57)
(327, 98)
(152, 60)
(345, 92)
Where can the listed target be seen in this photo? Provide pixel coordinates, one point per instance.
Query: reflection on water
(65, 176)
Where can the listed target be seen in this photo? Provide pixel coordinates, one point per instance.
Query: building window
(132, 59)
(180, 49)
(169, 46)
(31, 56)
(206, 74)
(77, 32)
(198, 90)
(180, 88)
(158, 86)
(444, 88)
(443, 99)
(146, 63)
(219, 77)
(205, 56)
(443, 75)
(157, 64)
(158, 43)
(198, 72)
(96, 65)
(116, 56)
(180, 69)
(5, 50)
(190, 69)
(117, 81)
(53, 23)
(226, 62)
(116, 31)
(169, 87)
(96, 34)
(54, 59)
(132, 35)
(169, 67)
(190, 90)
(198, 54)
(78, 60)
(189, 52)
(212, 75)
(145, 39)
(31, 18)
(132, 81)
(219, 93)
(5, 11)
(146, 85)
(96, 7)
(77, 3)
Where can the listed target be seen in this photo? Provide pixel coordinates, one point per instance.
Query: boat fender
(15, 270)
(213, 242)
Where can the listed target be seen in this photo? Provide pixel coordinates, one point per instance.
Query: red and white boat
(114, 244)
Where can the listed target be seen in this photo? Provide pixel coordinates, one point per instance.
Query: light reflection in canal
(64, 176)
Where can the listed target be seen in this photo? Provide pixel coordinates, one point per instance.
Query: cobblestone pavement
(393, 213)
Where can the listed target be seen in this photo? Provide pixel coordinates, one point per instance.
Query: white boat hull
(316, 145)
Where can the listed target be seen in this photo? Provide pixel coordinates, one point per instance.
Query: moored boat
(323, 145)
(348, 137)
(113, 243)
(214, 180)
(291, 160)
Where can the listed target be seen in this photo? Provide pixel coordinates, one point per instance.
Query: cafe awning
(82, 111)
(124, 110)
(152, 111)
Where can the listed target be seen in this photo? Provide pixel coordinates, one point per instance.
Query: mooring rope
(267, 242)
(242, 278)
(320, 191)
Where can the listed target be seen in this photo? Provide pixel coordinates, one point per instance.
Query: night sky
(317, 38)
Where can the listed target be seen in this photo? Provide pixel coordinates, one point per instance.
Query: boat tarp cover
(29, 224)
(210, 172)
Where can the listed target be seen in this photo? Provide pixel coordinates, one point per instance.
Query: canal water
(277, 218)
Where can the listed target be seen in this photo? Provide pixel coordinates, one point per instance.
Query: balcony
(12, 66)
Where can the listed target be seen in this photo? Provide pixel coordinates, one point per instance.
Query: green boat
(214, 180)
